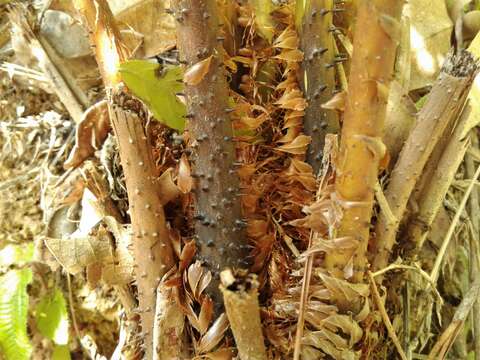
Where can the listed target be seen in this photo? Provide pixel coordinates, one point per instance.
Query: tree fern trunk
(318, 74)
(219, 226)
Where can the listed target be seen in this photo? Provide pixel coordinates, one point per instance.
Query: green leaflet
(14, 342)
(61, 352)
(299, 14)
(263, 19)
(157, 89)
(52, 318)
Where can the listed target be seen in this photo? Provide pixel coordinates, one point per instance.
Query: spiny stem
(222, 240)
(318, 78)
(151, 245)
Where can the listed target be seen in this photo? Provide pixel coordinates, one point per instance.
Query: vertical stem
(361, 150)
(318, 75)
(151, 246)
(474, 205)
(445, 103)
(222, 240)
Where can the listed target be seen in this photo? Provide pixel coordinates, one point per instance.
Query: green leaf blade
(14, 342)
(157, 89)
(52, 317)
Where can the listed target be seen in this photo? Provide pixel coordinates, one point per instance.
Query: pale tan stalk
(240, 294)
(446, 340)
(62, 83)
(434, 193)
(151, 247)
(444, 104)
(169, 326)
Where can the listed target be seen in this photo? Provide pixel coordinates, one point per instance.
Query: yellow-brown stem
(375, 42)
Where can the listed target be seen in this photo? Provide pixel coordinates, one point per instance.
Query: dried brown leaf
(206, 314)
(337, 102)
(290, 55)
(292, 100)
(168, 191)
(91, 132)
(288, 39)
(195, 74)
(186, 257)
(185, 180)
(344, 289)
(214, 335)
(297, 147)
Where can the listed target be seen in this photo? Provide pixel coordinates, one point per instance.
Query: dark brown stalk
(445, 102)
(152, 248)
(318, 76)
(376, 37)
(222, 241)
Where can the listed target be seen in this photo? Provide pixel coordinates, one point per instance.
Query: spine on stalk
(151, 246)
(220, 229)
(314, 22)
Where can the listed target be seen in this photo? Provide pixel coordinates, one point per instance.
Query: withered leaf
(345, 289)
(297, 147)
(337, 102)
(188, 252)
(347, 325)
(288, 39)
(91, 132)
(75, 253)
(185, 180)
(214, 335)
(292, 100)
(168, 191)
(195, 74)
(290, 55)
(206, 314)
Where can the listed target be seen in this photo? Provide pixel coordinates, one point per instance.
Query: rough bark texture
(375, 42)
(220, 229)
(152, 248)
(318, 76)
(240, 295)
(444, 104)
(169, 340)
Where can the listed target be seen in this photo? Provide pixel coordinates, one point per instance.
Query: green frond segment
(263, 18)
(14, 342)
(52, 317)
(61, 352)
(300, 7)
(157, 86)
